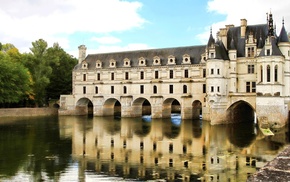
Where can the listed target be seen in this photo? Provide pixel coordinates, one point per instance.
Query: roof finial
(211, 30)
(283, 21)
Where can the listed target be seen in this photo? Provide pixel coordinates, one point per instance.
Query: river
(83, 148)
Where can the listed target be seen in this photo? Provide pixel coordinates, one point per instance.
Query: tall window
(156, 75)
(212, 89)
(96, 90)
(211, 71)
(184, 89)
(84, 77)
(251, 51)
(154, 89)
(218, 71)
(142, 75)
(125, 90)
(268, 73)
(126, 75)
(204, 88)
(84, 90)
(112, 76)
(170, 73)
(112, 89)
(261, 73)
(171, 89)
(204, 73)
(250, 87)
(98, 76)
(251, 68)
(186, 73)
(141, 89)
(276, 73)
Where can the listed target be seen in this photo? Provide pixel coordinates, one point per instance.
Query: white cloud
(106, 40)
(252, 10)
(24, 21)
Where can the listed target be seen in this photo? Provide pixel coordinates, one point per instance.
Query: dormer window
(186, 59)
(112, 63)
(171, 60)
(84, 65)
(98, 64)
(142, 61)
(127, 62)
(156, 60)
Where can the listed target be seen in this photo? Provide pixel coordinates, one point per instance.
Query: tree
(15, 81)
(40, 70)
(61, 77)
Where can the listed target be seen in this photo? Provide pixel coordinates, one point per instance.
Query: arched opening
(141, 107)
(112, 107)
(196, 109)
(84, 106)
(55, 105)
(171, 107)
(240, 111)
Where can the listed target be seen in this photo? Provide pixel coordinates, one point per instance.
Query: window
(250, 87)
(212, 89)
(276, 73)
(84, 77)
(204, 73)
(261, 73)
(268, 52)
(212, 71)
(218, 71)
(126, 75)
(268, 73)
(125, 90)
(170, 73)
(98, 76)
(251, 68)
(171, 89)
(186, 73)
(154, 89)
(141, 89)
(96, 90)
(251, 51)
(156, 75)
(212, 55)
(218, 89)
(184, 89)
(204, 88)
(112, 76)
(112, 89)
(142, 75)
(84, 90)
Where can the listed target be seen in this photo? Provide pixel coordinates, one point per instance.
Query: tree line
(33, 79)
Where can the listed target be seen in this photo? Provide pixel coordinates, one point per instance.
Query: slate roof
(275, 50)
(194, 52)
(283, 37)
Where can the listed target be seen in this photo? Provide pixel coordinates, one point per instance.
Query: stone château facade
(244, 71)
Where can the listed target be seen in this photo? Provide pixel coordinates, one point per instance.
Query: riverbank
(276, 170)
(23, 112)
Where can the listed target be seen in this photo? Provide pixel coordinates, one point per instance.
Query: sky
(122, 25)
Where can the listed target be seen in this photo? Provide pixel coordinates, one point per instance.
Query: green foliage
(15, 81)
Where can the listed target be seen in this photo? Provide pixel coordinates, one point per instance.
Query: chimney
(243, 27)
(82, 53)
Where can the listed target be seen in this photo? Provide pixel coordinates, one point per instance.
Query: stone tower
(82, 53)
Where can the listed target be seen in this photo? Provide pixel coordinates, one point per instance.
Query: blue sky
(121, 25)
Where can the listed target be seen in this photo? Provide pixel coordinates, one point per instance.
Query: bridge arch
(196, 109)
(170, 105)
(240, 111)
(112, 107)
(141, 106)
(84, 106)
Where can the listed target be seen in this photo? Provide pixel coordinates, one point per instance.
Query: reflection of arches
(84, 106)
(196, 109)
(240, 111)
(141, 106)
(169, 129)
(112, 107)
(170, 105)
(246, 131)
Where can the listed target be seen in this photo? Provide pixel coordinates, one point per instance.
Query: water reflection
(131, 149)
(147, 149)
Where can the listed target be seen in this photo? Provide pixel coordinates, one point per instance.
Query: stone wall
(20, 112)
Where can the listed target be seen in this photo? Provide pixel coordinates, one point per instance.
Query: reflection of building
(161, 150)
(246, 69)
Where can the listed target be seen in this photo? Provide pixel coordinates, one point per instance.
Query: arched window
(261, 73)
(276, 73)
(184, 89)
(268, 73)
(154, 89)
(125, 90)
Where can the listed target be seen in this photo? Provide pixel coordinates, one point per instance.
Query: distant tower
(82, 53)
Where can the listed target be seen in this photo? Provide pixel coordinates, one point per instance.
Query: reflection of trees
(36, 145)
